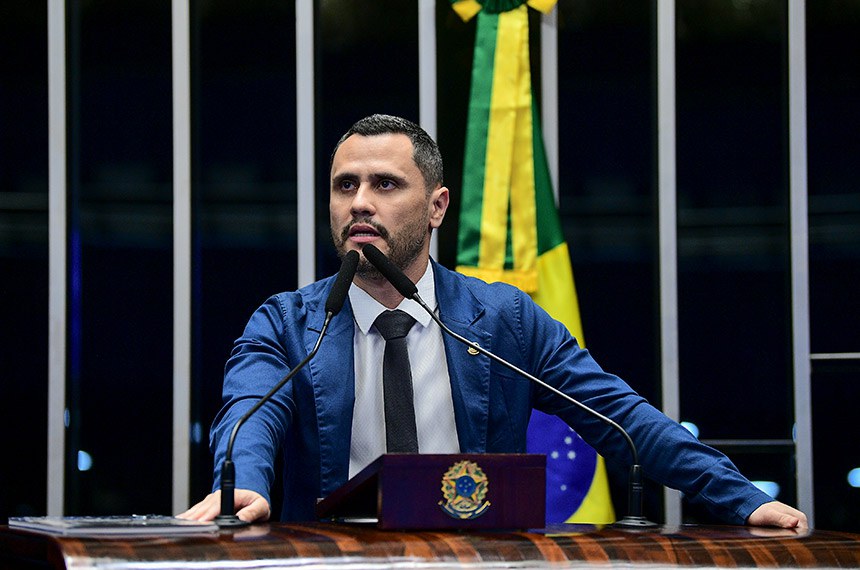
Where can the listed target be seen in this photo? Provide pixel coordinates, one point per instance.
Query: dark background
(733, 218)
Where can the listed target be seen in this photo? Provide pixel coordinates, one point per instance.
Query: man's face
(378, 196)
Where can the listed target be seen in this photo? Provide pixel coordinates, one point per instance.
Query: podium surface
(317, 545)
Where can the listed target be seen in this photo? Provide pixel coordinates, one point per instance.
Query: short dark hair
(425, 151)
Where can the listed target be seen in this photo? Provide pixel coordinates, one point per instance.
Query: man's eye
(346, 185)
(387, 185)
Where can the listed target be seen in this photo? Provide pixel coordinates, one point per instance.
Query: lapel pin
(472, 350)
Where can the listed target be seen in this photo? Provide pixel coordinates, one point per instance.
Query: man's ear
(439, 200)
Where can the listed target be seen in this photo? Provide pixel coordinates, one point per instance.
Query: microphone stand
(407, 288)
(227, 518)
(635, 517)
(333, 305)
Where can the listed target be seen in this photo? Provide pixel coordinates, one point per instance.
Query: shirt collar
(365, 308)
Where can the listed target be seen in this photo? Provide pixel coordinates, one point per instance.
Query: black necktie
(401, 436)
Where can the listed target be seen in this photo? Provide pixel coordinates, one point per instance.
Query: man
(387, 189)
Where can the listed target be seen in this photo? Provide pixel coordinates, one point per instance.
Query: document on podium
(115, 525)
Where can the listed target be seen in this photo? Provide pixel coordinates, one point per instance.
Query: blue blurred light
(854, 477)
(692, 428)
(85, 461)
(197, 432)
(770, 487)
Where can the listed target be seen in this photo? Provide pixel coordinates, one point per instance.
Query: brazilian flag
(510, 231)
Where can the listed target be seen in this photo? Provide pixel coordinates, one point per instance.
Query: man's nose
(362, 201)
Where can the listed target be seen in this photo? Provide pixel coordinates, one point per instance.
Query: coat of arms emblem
(464, 488)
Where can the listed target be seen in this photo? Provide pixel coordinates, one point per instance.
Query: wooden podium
(462, 511)
(324, 545)
(450, 491)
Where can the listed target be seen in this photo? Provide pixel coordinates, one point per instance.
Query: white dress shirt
(431, 385)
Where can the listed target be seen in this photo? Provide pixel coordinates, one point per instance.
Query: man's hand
(250, 507)
(779, 515)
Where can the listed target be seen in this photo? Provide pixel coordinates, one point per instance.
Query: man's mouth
(364, 232)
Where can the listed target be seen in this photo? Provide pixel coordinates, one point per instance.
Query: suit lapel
(469, 373)
(333, 378)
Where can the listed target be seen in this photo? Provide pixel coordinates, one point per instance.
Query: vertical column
(56, 254)
(181, 253)
(427, 65)
(666, 173)
(305, 141)
(799, 252)
(427, 80)
(549, 93)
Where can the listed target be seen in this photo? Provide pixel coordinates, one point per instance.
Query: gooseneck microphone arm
(407, 288)
(333, 305)
(228, 469)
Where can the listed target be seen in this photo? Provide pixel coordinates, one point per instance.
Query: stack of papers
(137, 525)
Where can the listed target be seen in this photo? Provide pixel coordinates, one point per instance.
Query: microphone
(634, 518)
(333, 305)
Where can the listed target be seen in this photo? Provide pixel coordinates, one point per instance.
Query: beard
(404, 247)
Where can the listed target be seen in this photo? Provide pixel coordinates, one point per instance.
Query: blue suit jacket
(310, 419)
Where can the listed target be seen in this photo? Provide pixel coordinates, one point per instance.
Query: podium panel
(444, 491)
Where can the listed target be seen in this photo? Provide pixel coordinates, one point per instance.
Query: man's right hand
(250, 507)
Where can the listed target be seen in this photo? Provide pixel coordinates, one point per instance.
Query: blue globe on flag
(570, 465)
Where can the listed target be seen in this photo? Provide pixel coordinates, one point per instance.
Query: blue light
(196, 432)
(85, 461)
(692, 428)
(770, 487)
(854, 477)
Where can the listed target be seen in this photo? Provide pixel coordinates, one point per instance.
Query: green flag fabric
(510, 230)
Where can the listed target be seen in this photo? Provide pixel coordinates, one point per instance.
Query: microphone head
(337, 295)
(390, 271)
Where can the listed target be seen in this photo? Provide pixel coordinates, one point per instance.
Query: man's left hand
(779, 515)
